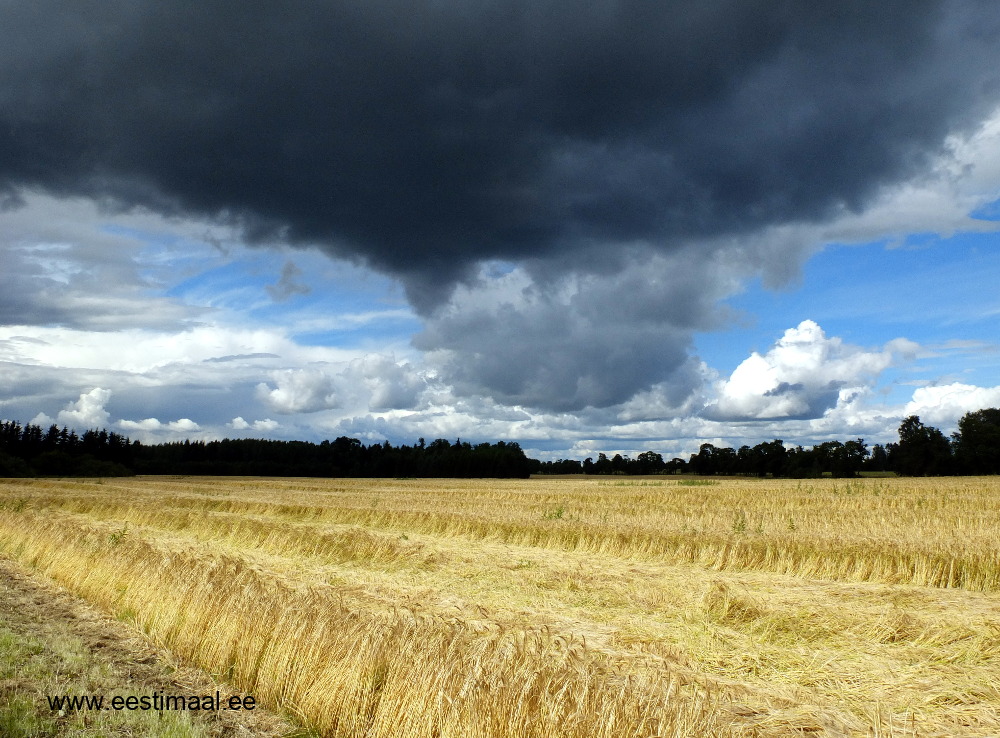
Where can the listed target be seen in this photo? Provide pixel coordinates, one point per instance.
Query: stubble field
(551, 607)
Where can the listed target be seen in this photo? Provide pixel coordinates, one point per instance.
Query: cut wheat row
(956, 561)
(351, 672)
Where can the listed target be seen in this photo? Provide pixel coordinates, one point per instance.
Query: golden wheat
(552, 607)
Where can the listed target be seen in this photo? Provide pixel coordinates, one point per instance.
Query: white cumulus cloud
(238, 423)
(804, 374)
(183, 425)
(87, 412)
(946, 404)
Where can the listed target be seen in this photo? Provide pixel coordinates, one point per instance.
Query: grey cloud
(59, 266)
(375, 382)
(426, 137)
(391, 386)
(786, 388)
(582, 341)
(29, 390)
(681, 396)
(207, 396)
(299, 391)
(559, 366)
(89, 300)
(286, 287)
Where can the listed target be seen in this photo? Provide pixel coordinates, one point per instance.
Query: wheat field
(575, 607)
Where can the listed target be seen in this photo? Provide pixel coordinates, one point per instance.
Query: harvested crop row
(779, 653)
(354, 672)
(893, 544)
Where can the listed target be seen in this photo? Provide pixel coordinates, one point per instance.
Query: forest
(922, 450)
(31, 451)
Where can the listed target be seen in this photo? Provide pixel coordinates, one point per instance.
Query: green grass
(56, 663)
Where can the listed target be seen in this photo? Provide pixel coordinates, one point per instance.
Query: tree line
(342, 457)
(921, 450)
(30, 450)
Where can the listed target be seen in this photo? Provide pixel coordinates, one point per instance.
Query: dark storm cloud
(583, 340)
(423, 137)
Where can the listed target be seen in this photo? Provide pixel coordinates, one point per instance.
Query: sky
(619, 226)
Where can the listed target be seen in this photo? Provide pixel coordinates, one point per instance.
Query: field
(589, 607)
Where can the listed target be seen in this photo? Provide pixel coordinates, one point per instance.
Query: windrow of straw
(349, 671)
(952, 561)
(334, 544)
(832, 647)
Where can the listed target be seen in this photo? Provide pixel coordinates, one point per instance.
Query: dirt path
(52, 643)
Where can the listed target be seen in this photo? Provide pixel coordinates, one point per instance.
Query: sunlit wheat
(583, 607)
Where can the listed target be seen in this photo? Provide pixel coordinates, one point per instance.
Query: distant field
(551, 607)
